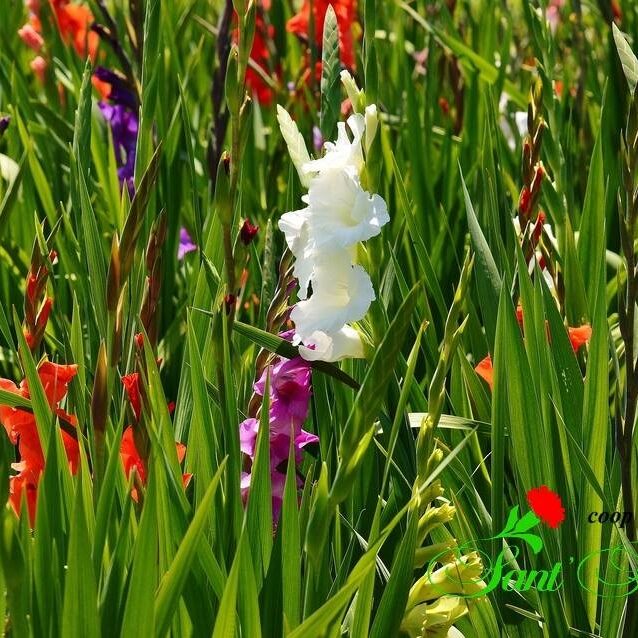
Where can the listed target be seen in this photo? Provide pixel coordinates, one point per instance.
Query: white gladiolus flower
(520, 121)
(342, 154)
(341, 293)
(323, 236)
(321, 346)
(295, 228)
(341, 213)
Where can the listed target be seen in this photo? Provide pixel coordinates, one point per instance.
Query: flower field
(318, 318)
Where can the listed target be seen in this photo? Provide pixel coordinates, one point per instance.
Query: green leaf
(14, 400)
(139, 616)
(291, 555)
(488, 280)
(330, 84)
(39, 401)
(94, 254)
(395, 595)
(627, 58)
(372, 392)
(283, 348)
(259, 514)
(596, 430)
(591, 239)
(80, 608)
(227, 614)
(173, 581)
(11, 195)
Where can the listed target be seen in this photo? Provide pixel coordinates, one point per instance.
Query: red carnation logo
(547, 505)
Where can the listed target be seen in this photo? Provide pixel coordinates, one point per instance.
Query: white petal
(292, 226)
(520, 118)
(342, 154)
(344, 344)
(341, 213)
(341, 293)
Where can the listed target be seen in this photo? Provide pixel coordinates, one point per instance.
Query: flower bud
(435, 517)
(462, 576)
(372, 124)
(99, 398)
(43, 316)
(248, 232)
(229, 303)
(240, 6)
(31, 37)
(223, 203)
(233, 90)
(5, 120)
(443, 552)
(524, 203)
(39, 66)
(355, 94)
(247, 36)
(113, 278)
(434, 619)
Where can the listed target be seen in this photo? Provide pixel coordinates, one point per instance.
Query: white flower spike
(323, 237)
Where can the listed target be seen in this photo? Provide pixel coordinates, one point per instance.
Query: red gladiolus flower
(485, 370)
(260, 55)
(578, 337)
(131, 460)
(346, 11)
(131, 384)
(73, 22)
(22, 431)
(547, 505)
(139, 341)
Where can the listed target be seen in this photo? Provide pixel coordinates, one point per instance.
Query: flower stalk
(628, 209)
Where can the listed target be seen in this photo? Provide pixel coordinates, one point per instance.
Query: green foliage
(450, 81)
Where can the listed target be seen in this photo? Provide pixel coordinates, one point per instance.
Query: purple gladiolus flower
(290, 390)
(277, 482)
(120, 91)
(121, 114)
(5, 120)
(186, 244)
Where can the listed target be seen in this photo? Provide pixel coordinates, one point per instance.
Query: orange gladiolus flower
(131, 458)
(73, 22)
(485, 370)
(22, 431)
(578, 337)
(346, 11)
(260, 55)
(132, 461)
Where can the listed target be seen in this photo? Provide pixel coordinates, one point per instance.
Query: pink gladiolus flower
(31, 37)
(290, 390)
(186, 244)
(39, 66)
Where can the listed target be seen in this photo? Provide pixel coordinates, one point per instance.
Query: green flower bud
(223, 203)
(462, 576)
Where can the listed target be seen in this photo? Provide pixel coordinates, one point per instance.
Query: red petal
(485, 370)
(579, 336)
